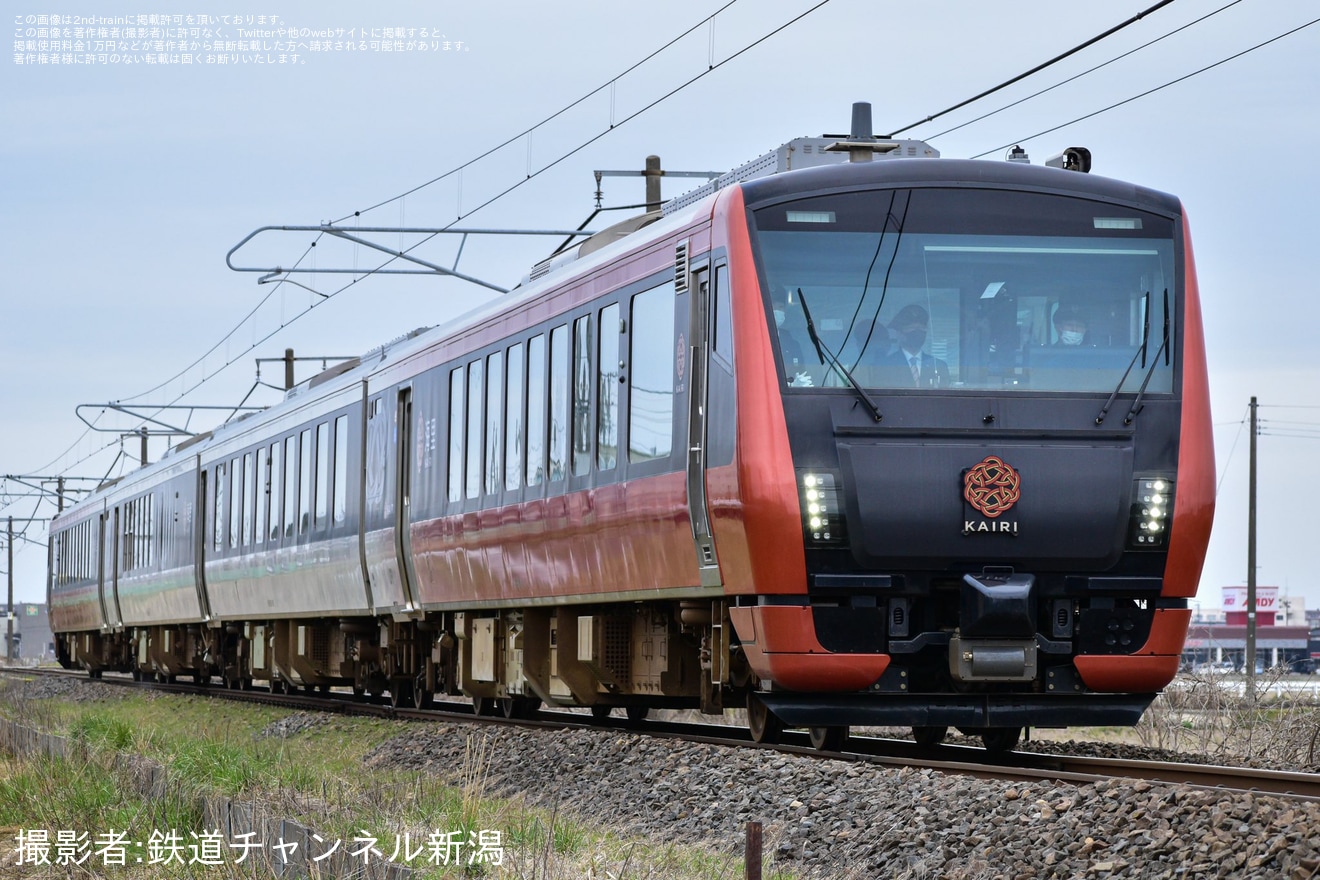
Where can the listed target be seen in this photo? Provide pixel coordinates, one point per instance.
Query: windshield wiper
(1140, 353)
(1155, 362)
(823, 352)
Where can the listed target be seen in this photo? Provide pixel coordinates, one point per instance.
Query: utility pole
(1250, 658)
(9, 617)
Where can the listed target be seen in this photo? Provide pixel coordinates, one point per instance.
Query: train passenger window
(248, 481)
(322, 475)
(273, 486)
(235, 500)
(456, 435)
(262, 498)
(582, 382)
(652, 362)
(340, 503)
(536, 410)
(218, 511)
(607, 374)
(472, 485)
(558, 402)
(290, 485)
(513, 419)
(494, 422)
(304, 481)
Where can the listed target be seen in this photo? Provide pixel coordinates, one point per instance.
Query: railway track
(949, 759)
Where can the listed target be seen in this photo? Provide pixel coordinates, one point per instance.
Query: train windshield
(970, 289)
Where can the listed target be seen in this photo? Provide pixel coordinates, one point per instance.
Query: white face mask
(779, 317)
(1071, 337)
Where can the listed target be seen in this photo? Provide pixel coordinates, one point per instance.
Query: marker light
(822, 518)
(1152, 505)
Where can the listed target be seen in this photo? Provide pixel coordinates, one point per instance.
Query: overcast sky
(125, 184)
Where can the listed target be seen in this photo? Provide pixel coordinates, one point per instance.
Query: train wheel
(763, 724)
(483, 705)
(828, 739)
(519, 707)
(638, 713)
(401, 694)
(422, 698)
(927, 737)
(137, 674)
(601, 712)
(1001, 739)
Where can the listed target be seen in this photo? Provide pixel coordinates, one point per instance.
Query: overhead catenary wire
(1037, 69)
(1148, 92)
(1086, 72)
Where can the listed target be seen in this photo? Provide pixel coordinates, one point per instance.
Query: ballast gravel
(826, 818)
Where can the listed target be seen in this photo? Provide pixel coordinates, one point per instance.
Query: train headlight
(1152, 506)
(822, 518)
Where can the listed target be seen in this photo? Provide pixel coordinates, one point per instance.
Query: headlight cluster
(1152, 511)
(822, 517)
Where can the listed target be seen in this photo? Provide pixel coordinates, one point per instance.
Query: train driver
(793, 336)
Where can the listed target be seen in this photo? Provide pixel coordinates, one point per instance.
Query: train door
(697, 283)
(403, 496)
(110, 570)
(201, 521)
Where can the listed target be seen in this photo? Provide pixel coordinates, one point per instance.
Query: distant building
(1283, 636)
(33, 640)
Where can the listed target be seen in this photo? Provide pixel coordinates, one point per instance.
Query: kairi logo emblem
(992, 487)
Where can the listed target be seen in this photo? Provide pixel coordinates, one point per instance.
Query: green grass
(317, 777)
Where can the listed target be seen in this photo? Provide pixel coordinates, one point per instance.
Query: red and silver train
(854, 435)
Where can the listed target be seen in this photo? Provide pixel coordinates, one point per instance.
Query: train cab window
(969, 289)
(494, 422)
(456, 411)
(607, 397)
(322, 475)
(304, 481)
(513, 418)
(558, 402)
(582, 382)
(651, 366)
(536, 404)
(472, 484)
(339, 503)
(290, 485)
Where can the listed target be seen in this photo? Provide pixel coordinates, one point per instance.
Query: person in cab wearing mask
(794, 342)
(909, 365)
(1069, 326)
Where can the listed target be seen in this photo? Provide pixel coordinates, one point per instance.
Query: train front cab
(1004, 533)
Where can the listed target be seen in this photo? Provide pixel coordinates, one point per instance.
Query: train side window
(456, 434)
(582, 382)
(558, 402)
(652, 365)
(494, 422)
(723, 319)
(472, 485)
(290, 485)
(235, 500)
(262, 493)
(304, 481)
(218, 510)
(607, 394)
(273, 486)
(322, 475)
(513, 418)
(536, 401)
(340, 500)
(248, 487)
